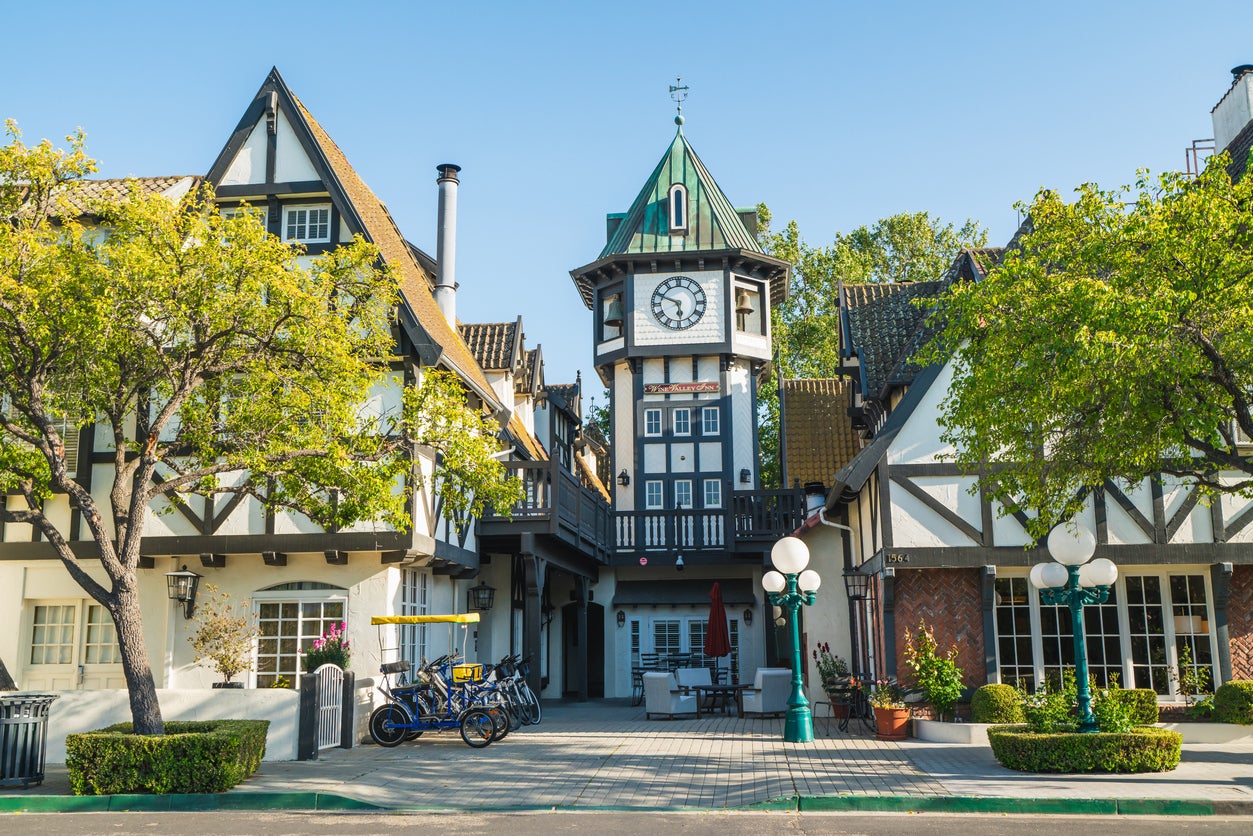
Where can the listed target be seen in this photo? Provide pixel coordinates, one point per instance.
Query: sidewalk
(605, 755)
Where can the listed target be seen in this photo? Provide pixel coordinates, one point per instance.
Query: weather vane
(678, 94)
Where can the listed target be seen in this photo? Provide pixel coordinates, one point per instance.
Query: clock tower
(681, 298)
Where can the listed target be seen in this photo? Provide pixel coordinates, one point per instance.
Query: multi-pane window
(1190, 619)
(100, 643)
(667, 636)
(310, 224)
(1147, 631)
(710, 421)
(1104, 645)
(683, 493)
(414, 600)
(652, 494)
(682, 422)
(652, 422)
(287, 627)
(52, 640)
(713, 493)
(1013, 632)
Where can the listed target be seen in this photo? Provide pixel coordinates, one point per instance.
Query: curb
(310, 801)
(182, 802)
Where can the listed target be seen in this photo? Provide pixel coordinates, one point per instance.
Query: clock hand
(678, 306)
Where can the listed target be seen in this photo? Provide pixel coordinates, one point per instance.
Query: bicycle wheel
(536, 712)
(387, 724)
(477, 728)
(420, 710)
(515, 716)
(500, 721)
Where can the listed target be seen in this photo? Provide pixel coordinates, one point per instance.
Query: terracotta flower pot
(839, 705)
(891, 723)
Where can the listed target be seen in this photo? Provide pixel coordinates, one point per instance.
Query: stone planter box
(933, 731)
(1211, 732)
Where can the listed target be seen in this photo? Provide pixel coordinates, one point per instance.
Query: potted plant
(836, 681)
(938, 677)
(891, 715)
(223, 635)
(331, 648)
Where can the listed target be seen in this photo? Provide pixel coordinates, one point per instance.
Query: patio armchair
(770, 692)
(691, 677)
(663, 697)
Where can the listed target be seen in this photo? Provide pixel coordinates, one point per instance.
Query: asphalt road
(599, 823)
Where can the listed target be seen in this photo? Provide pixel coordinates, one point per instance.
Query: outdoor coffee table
(721, 693)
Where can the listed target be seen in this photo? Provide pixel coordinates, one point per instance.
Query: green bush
(1111, 713)
(208, 756)
(1143, 749)
(996, 704)
(1233, 702)
(1140, 702)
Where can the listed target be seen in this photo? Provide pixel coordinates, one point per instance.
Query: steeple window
(678, 208)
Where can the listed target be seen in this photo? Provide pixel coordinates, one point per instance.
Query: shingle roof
(381, 230)
(564, 396)
(518, 432)
(495, 345)
(82, 197)
(1238, 148)
(713, 223)
(589, 479)
(882, 326)
(820, 439)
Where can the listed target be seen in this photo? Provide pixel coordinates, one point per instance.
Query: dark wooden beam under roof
(274, 558)
(335, 557)
(213, 561)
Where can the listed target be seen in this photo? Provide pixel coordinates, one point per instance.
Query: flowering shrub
(223, 633)
(830, 666)
(938, 677)
(884, 693)
(332, 648)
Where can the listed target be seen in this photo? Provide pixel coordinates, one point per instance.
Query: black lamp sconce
(621, 618)
(748, 618)
(746, 476)
(182, 589)
(624, 478)
(480, 597)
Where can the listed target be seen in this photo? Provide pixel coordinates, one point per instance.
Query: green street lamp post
(1074, 582)
(789, 587)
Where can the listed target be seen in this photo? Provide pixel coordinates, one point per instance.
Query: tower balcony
(754, 520)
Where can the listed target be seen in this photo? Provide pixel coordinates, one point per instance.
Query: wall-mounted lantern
(480, 597)
(746, 476)
(182, 589)
(748, 618)
(621, 618)
(624, 478)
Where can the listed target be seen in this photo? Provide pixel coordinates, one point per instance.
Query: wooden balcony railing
(555, 502)
(754, 517)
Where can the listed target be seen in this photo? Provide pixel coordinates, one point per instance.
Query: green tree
(215, 363)
(910, 246)
(1116, 342)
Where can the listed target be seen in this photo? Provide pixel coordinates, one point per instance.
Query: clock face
(678, 303)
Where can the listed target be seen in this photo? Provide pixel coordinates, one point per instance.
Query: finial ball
(678, 120)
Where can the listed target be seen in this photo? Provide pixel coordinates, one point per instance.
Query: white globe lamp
(789, 555)
(809, 581)
(773, 582)
(1100, 572)
(1072, 545)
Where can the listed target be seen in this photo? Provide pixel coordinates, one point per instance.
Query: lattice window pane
(52, 638)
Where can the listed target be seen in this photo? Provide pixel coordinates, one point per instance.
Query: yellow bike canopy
(462, 618)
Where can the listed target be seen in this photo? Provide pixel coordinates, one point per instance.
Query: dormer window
(678, 208)
(307, 224)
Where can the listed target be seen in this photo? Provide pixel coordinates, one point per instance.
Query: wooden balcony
(557, 504)
(754, 520)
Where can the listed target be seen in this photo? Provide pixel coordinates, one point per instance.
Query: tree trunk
(145, 709)
(6, 681)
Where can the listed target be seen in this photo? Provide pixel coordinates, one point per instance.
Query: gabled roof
(530, 377)
(365, 214)
(819, 437)
(495, 345)
(881, 324)
(520, 436)
(713, 223)
(565, 396)
(590, 480)
(82, 197)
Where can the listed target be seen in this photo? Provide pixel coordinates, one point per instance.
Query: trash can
(23, 738)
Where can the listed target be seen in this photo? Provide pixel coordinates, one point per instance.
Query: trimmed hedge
(1141, 702)
(191, 757)
(1233, 702)
(1143, 749)
(996, 704)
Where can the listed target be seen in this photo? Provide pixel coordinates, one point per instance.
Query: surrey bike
(438, 699)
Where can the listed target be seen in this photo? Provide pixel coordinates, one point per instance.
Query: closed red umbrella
(717, 636)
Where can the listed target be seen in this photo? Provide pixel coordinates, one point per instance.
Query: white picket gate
(330, 705)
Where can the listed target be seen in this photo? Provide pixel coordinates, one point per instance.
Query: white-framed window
(307, 224)
(415, 592)
(713, 493)
(682, 635)
(73, 644)
(652, 422)
(1137, 634)
(652, 494)
(678, 207)
(290, 617)
(683, 493)
(710, 420)
(682, 421)
(100, 641)
(65, 428)
(52, 634)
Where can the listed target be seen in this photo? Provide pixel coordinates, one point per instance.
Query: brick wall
(951, 602)
(1240, 622)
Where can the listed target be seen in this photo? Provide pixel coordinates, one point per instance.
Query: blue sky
(834, 114)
